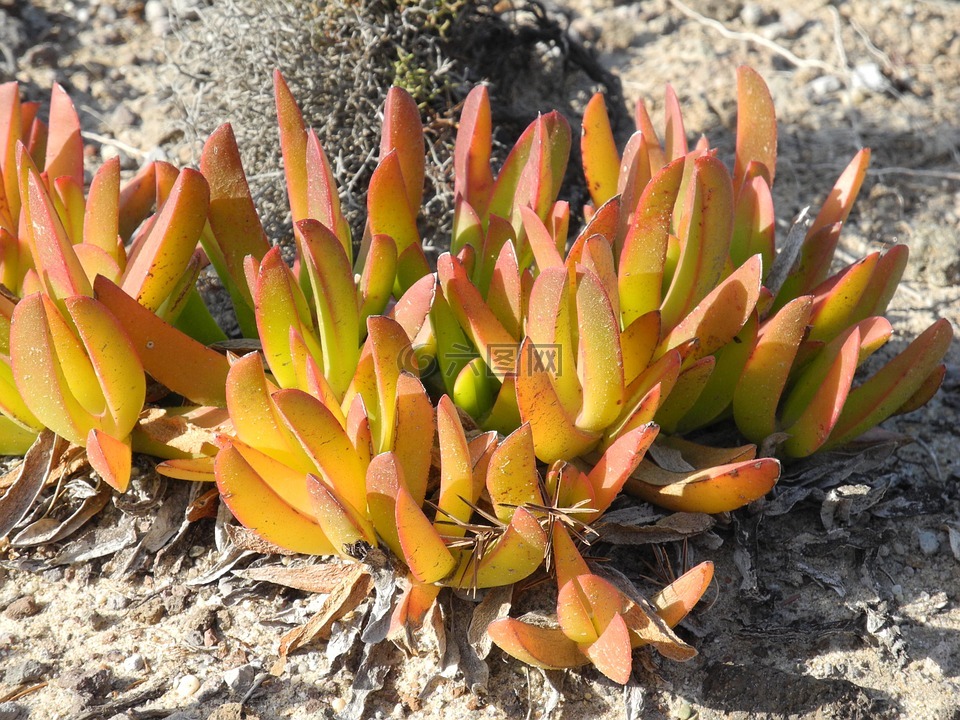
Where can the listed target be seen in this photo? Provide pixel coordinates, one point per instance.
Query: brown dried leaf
(624, 528)
(49, 530)
(353, 588)
(495, 605)
(29, 478)
(247, 539)
(192, 433)
(323, 578)
(205, 506)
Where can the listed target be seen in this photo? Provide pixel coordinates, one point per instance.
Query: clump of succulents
(476, 419)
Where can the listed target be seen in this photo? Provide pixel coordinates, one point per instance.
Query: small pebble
(240, 678)
(134, 663)
(751, 14)
(12, 711)
(187, 685)
(824, 85)
(869, 76)
(22, 607)
(684, 712)
(929, 542)
(154, 10)
(338, 704)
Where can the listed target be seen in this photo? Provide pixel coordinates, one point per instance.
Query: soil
(837, 597)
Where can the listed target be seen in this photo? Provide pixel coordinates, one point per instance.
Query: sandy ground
(837, 598)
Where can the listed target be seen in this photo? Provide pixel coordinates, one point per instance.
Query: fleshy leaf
(714, 490)
(259, 508)
(601, 161)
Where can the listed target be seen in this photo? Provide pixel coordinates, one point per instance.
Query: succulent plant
(780, 338)
(566, 372)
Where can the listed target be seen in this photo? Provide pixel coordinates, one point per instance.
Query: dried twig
(757, 40)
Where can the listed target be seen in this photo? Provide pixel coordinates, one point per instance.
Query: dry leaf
(494, 606)
(189, 433)
(204, 506)
(669, 459)
(30, 477)
(49, 530)
(624, 527)
(352, 589)
(247, 539)
(324, 578)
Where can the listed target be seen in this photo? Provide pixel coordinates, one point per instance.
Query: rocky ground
(837, 598)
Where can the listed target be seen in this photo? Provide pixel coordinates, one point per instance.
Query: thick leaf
(259, 508)
(601, 161)
(293, 144)
(586, 605)
(101, 222)
(403, 132)
(638, 342)
(677, 599)
(232, 215)
(323, 200)
(335, 300)
(599, 360)
(812, 407)
(162, 256)
(812, 265)
(542, 244)
(326, 443)
(513, 557)
(414, 435)
(379, 273)
(255, 417)
(640, 271)
(754, 224)
(341, 523)
(512, 479)
(705, 233)
(281, 307)
(552, 334)
(674, 136)
(717, 394)
(836, 208)
(51, 248)
(765, 374)
(893, 385)
(423, 549)
(537, 645)
(473, 179)
(11, 129)
(756, 126)
(836, 302)
(388, 207)
(64, 154)
(44, 351)
(111, 458)
(458, 491)
(717, 319)
(475, 317)
(616, 465)
(198, 374)
(714, 490)
(612, 651)
(114, 360)
(505, 295)
(555, 435)
(685, 393)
